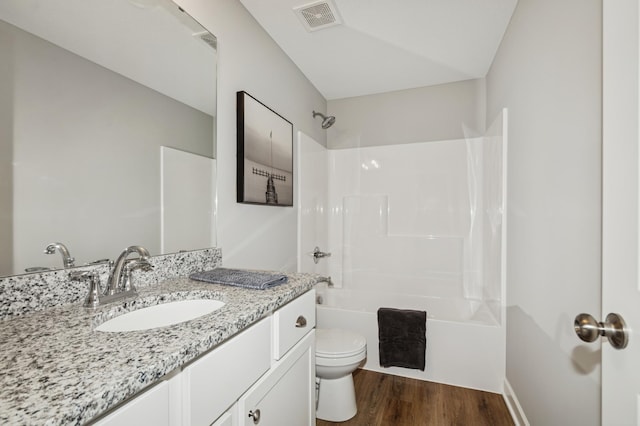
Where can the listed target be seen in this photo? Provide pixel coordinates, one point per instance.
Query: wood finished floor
(390, 400)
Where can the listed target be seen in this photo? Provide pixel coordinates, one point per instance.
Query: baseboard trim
(513, 405)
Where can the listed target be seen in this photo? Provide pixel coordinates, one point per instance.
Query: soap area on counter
(244, 355)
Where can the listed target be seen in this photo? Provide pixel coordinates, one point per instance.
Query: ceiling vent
(318, 15)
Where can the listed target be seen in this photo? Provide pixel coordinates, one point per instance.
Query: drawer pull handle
(255, 415)
(301, 322)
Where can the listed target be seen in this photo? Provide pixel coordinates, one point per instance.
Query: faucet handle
(92, 300)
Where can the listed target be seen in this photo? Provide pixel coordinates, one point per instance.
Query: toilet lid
(335, 342)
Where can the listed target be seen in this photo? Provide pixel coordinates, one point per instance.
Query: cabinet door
(286, 395)
(226, 419)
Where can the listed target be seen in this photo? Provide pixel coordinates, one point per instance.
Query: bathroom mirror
(104, 108)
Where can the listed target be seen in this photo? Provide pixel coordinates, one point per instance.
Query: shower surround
(417, 226)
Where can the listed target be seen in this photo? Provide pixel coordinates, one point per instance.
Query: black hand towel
(402, 336)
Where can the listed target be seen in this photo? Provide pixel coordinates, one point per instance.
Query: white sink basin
(161, 315)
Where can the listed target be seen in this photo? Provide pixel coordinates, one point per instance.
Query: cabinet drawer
(214, 382)
(292, 322)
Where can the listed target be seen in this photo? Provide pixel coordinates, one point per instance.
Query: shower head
(326, 121)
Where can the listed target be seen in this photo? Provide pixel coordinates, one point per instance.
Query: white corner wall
(254, 236)
(547, 72)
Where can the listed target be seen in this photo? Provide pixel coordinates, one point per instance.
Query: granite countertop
(56, 369)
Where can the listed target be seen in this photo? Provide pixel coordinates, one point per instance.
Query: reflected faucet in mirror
(67, 260)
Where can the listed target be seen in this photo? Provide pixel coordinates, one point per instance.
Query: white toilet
(338, 354)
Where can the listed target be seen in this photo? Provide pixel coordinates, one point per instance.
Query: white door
(620, 283)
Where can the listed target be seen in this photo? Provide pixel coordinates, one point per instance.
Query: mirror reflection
(107, 121)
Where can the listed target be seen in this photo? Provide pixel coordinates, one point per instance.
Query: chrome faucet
(119, 281)
(119, 284)
(67, 260)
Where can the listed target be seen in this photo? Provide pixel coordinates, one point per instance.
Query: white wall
(440, 115)
(253, 236)
(548, 73)
(442, 112)
(400, 218)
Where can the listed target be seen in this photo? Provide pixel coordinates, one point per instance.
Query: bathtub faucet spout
(327, 280)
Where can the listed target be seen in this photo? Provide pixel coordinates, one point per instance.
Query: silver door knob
(614, 327)
(301, 322)
(255, 415)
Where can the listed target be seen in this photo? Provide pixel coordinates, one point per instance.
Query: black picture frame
(264, 154)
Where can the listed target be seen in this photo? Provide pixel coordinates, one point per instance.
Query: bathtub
(465, 343)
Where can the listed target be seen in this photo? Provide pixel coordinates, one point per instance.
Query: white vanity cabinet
(263, 375)
(286, 394)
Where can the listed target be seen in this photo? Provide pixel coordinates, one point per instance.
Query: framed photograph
(265, 154)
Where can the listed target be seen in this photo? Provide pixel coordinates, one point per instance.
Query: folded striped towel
(240, 278)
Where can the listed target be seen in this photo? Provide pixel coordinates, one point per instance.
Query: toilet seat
(337, 343)
(322, 361)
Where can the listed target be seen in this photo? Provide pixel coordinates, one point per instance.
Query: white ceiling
(387, 45)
